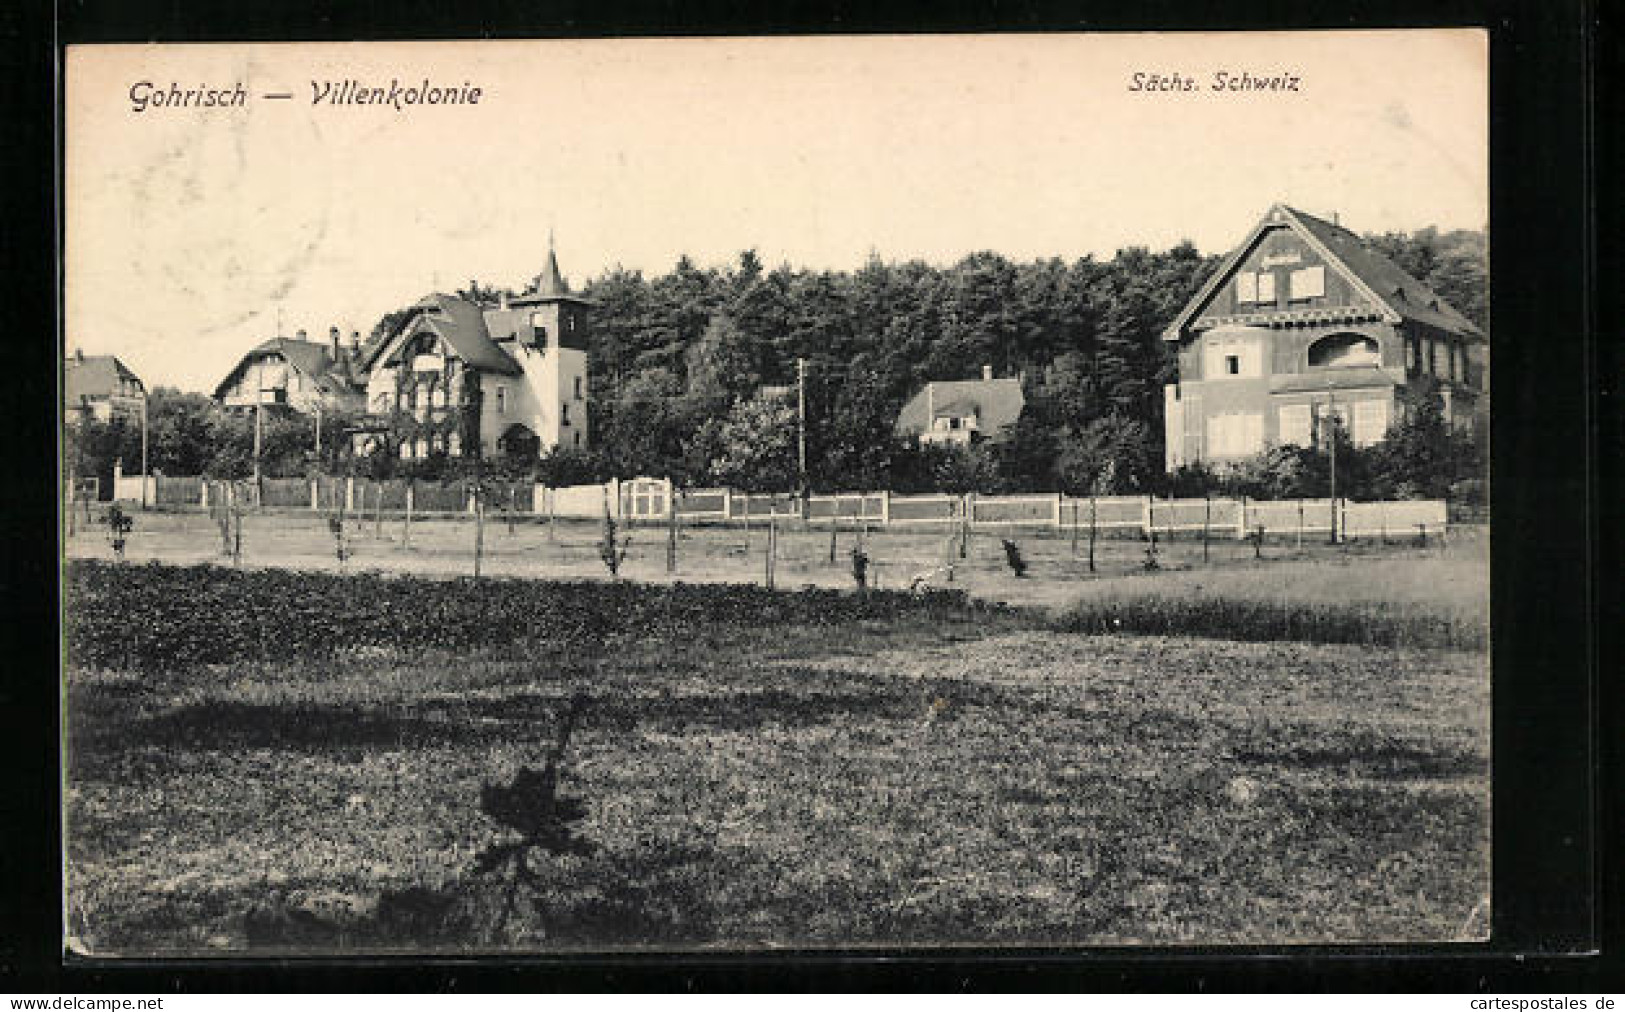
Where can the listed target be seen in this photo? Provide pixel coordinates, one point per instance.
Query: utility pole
(259, 408)
(144, 468)
(801, 421)
(1331, 437)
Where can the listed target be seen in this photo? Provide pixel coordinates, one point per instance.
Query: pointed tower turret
(555, 355)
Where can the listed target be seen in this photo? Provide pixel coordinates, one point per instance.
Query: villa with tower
(510, 379)
(1302, 326)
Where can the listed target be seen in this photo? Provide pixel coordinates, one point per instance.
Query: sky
(189, 232)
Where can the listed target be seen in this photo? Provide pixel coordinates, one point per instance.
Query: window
(1307, 283)
(578, 439)
(502, 400)
(1266, 287)
(564, 414)
(1410, 354)
(380, 404)
(1235, 435)
(1337, 351)
(1294, 425)
(1247, 287)
(1370, 422)
(578, 388)
(1229, 356)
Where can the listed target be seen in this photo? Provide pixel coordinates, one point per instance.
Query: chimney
(301, 334)
(987, 373)
(355, 342)
(78, 354)
(502, 299)
(333, 339)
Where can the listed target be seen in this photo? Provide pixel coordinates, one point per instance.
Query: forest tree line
(692, 376)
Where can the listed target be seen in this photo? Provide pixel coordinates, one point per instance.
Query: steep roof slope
(461, 324)
(995, 403)
(94, 376)
(309, 357)
(1399, 295)
(1406, 295)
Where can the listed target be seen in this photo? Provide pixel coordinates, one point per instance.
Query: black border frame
(1557, 907)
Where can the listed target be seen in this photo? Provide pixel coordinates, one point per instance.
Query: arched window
(1343, 351)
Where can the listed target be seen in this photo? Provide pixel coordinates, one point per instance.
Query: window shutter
(1308, 283)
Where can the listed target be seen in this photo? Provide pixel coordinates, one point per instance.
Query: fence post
(1241, 518)
(349, 494)
(885, 507)
(203, 491)
(479, 527)
(552, 502)
(406, 526)
(1207, 520)
(1060, 499)
(1146, 518)
(1092, 514)
(772, 531)
(671, 530)
(1300, 522)
(315, 495)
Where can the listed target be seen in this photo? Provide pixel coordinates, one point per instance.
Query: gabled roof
(92, 377)
(309, 357)
(460, 324)
(994, 402)
(1396, 294)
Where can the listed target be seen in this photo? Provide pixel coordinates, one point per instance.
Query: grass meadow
(789, 769)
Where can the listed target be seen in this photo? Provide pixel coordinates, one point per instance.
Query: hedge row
(157, 617)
